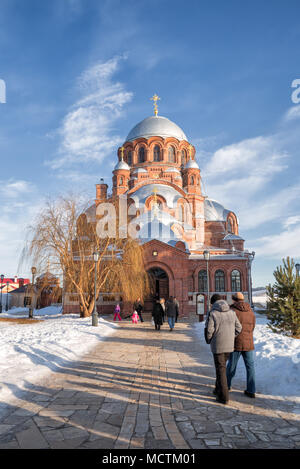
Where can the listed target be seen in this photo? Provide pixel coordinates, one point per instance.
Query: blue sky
(79, 75)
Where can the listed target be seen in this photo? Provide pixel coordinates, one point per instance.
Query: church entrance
(159, 282)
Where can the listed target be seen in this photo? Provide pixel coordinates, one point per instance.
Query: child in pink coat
(117, 312)
(135, 317)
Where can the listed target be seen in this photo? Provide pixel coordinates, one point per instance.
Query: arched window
(235, 281)
(192, 180)
(129, 158)
(219, 281)
(171, 154)
(121, 181)
(230, 225)
(183, 157)
(156, 153)
(141, 154)
(202, 281)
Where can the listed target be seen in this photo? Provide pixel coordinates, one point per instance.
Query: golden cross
(155, 98)
(122, 153)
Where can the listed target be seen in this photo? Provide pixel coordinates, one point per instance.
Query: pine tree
(283, 305)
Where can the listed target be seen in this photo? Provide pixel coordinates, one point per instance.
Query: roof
(173, 170)
(122, 165)
(170, 194)
(22, 289)
(191, 164)
(159, 226)
(156, 126)
(232, 236)
(214, 211)
(139, 170)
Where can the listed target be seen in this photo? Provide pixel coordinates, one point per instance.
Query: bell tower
(121, 175)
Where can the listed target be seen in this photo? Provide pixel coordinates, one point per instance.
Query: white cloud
(268, 208)
(88, 130)
(279, 245)
(11, 188)
(240, 176)
(292, 113)
(293, 220)
(255, 156)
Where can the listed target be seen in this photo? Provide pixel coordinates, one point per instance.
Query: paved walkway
(140, 388)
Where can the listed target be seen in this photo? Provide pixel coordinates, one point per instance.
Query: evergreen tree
(283, 305)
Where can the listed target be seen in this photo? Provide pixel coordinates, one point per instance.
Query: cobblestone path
(141, 388)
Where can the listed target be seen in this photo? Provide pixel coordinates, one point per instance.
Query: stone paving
(141, 388)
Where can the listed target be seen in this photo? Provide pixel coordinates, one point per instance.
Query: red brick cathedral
(191, 242)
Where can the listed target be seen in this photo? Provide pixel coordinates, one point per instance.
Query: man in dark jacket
(244, 344)
(171, 310)
(139, 308)
(157, 314)
(222, 328)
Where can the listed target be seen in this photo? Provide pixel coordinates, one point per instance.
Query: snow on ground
(277, 362)
(29, 351)
(259, 298)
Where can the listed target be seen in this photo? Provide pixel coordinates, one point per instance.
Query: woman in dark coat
(158, 314)
(244, 344)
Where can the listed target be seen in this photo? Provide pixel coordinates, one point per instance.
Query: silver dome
(156, 126)
(192, 164)
(122, 165)
(167, 192)
(214, 211)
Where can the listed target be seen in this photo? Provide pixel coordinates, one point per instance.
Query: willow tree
(64, 235)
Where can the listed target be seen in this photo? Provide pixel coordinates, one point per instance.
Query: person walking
(222, 328)
(177, 308)
(157, 314)
(117, 312)
(163, 305)
(244, 344)
(171, 309)
(135, 317)
(213, 299)
(139, 308)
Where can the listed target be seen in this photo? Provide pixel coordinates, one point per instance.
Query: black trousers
(220, 360)
(140, 316)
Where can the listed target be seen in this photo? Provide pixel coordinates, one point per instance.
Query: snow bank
(277, 362)
(29, 351)
(259, 298)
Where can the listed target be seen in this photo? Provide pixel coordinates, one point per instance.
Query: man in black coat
(157, 314)
(139, 308)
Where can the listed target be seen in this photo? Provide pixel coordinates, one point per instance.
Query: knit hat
(238, 296)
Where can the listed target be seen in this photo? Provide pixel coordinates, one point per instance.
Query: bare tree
(64, 236)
